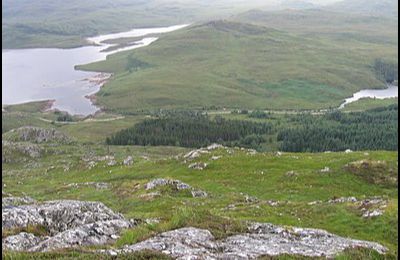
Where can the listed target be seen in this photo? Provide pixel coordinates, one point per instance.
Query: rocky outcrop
(36, 135)
(97, 233)
(57, 216)
(260, 240)
(198, 152)
(20, 242)
(16, 152)
(177, 184)
(69, 223)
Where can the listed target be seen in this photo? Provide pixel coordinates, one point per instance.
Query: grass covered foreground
(291, 179)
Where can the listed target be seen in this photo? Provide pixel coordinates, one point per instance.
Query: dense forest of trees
(370, 130)
(374, 129)
(385, 71)
(192, 130)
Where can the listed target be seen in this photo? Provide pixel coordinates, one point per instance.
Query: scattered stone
(251, 152)
(97, 185)
(291, 174)
(214, 146)
(175, 183)
(91, 164)
(231, 207)
(262, 239)
(273, 203)
(112, 163)
(152, 221)
(128, 161)
(374, 213)
(342, 200)
(199, 194)
(198, 166)
(325, 169)
(216, 157)
(250, 199)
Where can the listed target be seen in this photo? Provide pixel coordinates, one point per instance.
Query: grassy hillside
(369, 103)
(345, 28)
(240, 65)
(48, 23)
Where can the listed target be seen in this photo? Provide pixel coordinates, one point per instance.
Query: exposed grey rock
(156, 182)
(372, 207)
(69, 223)
(184, 243)
(250, 199)
(199, 194)
(128, 161)
(97, 185)
(36, 135)
(214, 146)
(174, 183)
(15, 201)
(342, 200)
(57, 216)
(261, 239)
(251, 152)
(215, 157)
(198, 166)
(315, 202)
(325, 169)
(373, 213)
(195, 154)
(111, 162)
(198, 152)
(291, 174)
(97, 233)
(20, 242)
(9, 149)
(273, 203)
